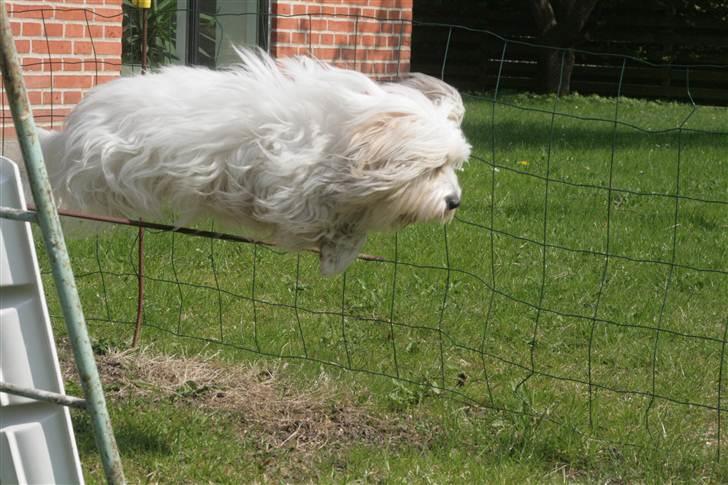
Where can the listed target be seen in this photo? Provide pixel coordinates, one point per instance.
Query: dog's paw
(338, 253)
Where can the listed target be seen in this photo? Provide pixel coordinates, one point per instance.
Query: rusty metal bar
(140, 289)
(122, 221)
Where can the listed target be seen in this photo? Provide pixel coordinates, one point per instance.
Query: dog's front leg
(339, 250)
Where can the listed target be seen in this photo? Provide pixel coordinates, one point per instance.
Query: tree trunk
(560, 24)
(554, 71)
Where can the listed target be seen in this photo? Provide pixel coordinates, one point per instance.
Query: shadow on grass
(534, 130)
(130, 437)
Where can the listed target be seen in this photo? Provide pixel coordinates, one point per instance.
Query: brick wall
(69, 46)
(372, 36)
(65, 47)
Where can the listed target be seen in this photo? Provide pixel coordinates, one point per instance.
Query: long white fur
(303, 153)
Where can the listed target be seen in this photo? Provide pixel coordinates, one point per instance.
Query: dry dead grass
(261, 401)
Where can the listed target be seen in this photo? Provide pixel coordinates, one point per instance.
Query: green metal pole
(58, 255)
(41, 395)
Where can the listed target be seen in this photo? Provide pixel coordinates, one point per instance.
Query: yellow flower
(523, 163)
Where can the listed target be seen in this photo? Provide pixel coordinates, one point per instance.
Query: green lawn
(568, 326)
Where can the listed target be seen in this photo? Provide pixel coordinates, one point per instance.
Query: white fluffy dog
(303, 153)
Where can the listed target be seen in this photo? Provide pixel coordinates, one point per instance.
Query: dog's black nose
(452, 201)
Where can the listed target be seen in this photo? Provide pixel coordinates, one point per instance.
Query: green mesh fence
(583, 282)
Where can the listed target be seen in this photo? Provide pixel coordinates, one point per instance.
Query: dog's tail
(47, 139)
(52, 144)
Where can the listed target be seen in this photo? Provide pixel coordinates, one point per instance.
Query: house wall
(65, 47)
(372, 36)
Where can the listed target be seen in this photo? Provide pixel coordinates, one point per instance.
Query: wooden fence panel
(668, 50)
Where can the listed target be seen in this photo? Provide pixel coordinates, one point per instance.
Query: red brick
(52, 47)
(96, 31)
(299, 9)
(72, 65)
(15, 28)
(55, 114)
(342, 39)
(53, 63)
(106, 14)
(280, 8)
(33, 63)
(113, 31)
(379, 55)
(102, 79)
(113, 67)
(279, 37)
(338, 53)
(323, 10)
(107, 66)
(37, 81)
(77, 14)
(35, 97)
(26, 12)
(76, 30)
(22, 46)
(394, 14)
(369, 40)
(31, 29)
(286, 23)
(84, 47)
(73, 82)
(318, 24)
(301, 38)
(53, 30)
(341, 25)
(400, 41)
(288, 51)
(52, 98)
(72, 97)
(108, 48)
(91, 65)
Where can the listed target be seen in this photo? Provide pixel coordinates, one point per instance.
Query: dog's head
(406, 150)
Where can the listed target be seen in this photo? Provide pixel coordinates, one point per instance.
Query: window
(207, 30)
(201, 32)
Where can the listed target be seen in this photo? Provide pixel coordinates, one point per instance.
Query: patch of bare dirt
(264, 404)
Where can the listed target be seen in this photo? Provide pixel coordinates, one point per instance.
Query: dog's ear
(380, 139)
(440, 93)
(390, 147)
(338, 251)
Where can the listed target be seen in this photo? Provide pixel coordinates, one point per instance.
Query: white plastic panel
(36, 438)
(24, 359)
(15, 260)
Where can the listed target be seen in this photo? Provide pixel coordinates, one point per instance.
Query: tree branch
(543, 15)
